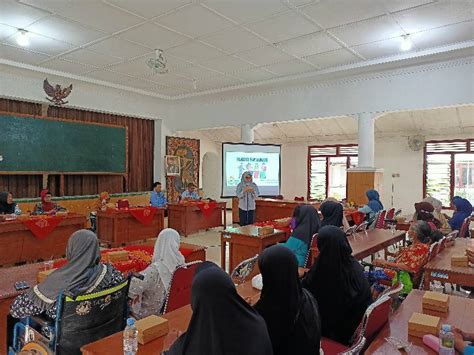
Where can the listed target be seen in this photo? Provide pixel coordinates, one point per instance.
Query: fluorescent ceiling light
(406, 43)
(22, 38)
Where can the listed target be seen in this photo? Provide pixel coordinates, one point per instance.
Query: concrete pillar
(246, 134)
(366, 140)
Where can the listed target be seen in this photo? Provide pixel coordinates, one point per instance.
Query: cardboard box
(115, 256)
(459, 260)
(435, 301)
(150, 328)
(43, 275)
(421, 324)
(265, 230)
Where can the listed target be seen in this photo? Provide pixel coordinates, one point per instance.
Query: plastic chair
(380, 221)
(243, 270)
(362, 227)
(464, 231)
(179, 293)
(79, 321)
(375, 317)
(312, 244)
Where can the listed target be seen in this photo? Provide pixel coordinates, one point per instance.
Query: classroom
(236, 177)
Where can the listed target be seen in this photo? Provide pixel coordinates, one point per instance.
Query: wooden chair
(179, 293)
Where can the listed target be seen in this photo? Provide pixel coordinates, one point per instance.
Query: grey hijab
(80, 275)
(244, 183)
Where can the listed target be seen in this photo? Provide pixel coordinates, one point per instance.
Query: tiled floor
(210, 239)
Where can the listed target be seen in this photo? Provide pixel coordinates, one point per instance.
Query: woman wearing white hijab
(437, 213)
(149, 294)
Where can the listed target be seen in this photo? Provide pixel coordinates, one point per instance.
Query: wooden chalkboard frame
(125, 174)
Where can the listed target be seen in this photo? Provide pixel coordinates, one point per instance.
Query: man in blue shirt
(190, 193)
(158, 198)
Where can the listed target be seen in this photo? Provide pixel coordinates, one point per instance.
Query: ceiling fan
(158, 64)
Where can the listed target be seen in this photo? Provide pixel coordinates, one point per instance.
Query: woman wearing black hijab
(291, 312)
(7, 206)
(333, 214)
(306, 225)
(222, 322)
(338, 283)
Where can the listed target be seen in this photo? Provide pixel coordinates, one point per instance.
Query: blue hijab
(463, 210)
(374, 200)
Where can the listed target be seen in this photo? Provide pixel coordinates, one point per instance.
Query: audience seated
(222, 322)
(437, 213)
(149, 295)
(463, 342)
(290, 312)
(7, 205)
(82, 274)
(462, 210)
(333, 214)
(424, 212)
(46, 206)
(412, 258)
(338, 283)
(373, 206)
(306, 224)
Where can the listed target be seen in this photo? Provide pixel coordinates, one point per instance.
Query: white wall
(392, 154)
(417, 87)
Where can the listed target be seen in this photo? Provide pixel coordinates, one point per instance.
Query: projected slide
(262, 161)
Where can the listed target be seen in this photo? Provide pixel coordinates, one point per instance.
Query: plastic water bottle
(130, 338)
(446, 340)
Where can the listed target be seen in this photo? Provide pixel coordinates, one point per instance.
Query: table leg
(427, 280)
(225, 217)
(223, 246)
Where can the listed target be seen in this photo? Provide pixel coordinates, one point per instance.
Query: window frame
(326, 156)
(469, 149)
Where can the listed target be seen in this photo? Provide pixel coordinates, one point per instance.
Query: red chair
(357, 217)
(375, 317)
(380, 222)
(390, 214)
(179, 293)
(312, 244)
(464, 231)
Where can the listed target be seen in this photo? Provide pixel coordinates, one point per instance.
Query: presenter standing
(247, 191)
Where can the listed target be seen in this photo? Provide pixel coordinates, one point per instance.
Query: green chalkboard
(29, 144)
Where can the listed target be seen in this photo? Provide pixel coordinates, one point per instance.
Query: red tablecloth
(42, 226)
(144, 215)
(207, 207)
(140, 257)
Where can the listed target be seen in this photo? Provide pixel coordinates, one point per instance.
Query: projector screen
(263, 160)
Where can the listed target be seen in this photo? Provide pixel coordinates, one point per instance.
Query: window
(327, 170)
(449, 169)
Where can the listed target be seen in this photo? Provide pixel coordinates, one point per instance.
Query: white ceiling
(432, 122)
(221, 43)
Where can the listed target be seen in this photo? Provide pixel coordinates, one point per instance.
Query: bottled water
(130, 338)
(446, 340)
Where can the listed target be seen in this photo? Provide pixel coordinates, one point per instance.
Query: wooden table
(244, 242)
(440, 267)
(459, 315)
(18, 244)
(8, 277)
(178, 323)
(187, 218)
(367, 243)
(118, 227)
